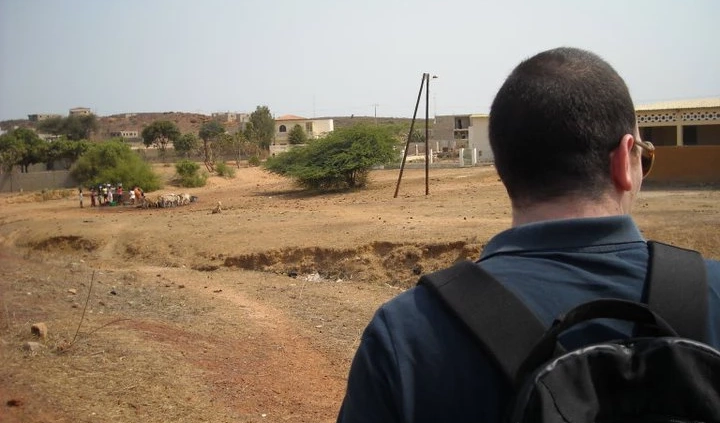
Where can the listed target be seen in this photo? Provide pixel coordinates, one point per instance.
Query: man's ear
(621, 164)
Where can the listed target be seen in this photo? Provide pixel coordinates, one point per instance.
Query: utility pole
(425, 80)
(375, 105)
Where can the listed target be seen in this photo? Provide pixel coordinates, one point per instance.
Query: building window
(282, 128)
(646, 134)
(308, 127)
(689, 135)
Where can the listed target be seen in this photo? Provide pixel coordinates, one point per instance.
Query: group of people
(110, 195)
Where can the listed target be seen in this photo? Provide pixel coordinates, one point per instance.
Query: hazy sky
(333, 57)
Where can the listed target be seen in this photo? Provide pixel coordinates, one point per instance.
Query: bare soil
(252, 314)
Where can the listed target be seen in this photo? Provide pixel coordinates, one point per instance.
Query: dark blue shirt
(416, 363)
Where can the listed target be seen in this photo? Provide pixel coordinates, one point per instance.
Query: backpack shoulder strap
(676, 289)
(506, 328)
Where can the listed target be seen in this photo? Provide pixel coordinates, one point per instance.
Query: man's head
(555, 124)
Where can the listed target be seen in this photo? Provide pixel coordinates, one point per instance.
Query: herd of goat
(167, 200)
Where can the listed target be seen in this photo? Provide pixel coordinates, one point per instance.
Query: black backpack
(663, 373)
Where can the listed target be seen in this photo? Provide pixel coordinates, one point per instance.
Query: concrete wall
(691, 164)
(36, 181)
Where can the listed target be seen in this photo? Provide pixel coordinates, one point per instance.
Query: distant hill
(186, 122)
(189, 122)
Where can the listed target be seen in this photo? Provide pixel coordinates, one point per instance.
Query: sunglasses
(647, 155)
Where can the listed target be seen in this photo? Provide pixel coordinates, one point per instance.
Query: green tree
(262, 128)
(80, 127)
(65, 150)
(209, 133)
(246, 147)
(234, 147)
(10, 151)
(297, 135)
(32, 148)
(160, 133)
(114, 162)
(53, 125)
(74, 128)
(340, 160)
(186, 144)
(226, 146)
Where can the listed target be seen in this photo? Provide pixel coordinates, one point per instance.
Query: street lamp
(434, 103)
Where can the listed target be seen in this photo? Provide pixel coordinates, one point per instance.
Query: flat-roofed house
(687, 136)
(80, 111)
(38, 117)
(314, 128)
(126, 134)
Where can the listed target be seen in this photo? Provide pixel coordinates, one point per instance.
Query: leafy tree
(262, 128)
(160, 133)
(226, 146)
(31, 147)
(189, 172)
(65, 150)
(297, 135)
(186, 144)
(73, 127)
(53, 125)
(114, 162)
(80, 127)
(340, 160)
(10, 151)
(209, 133)
(235, 147)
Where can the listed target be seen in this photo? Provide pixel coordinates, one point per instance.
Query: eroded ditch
(394, 263)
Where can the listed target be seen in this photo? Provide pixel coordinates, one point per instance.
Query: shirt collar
(564, 234)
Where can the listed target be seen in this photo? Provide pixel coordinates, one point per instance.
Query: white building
(314, 128)
(478, 137)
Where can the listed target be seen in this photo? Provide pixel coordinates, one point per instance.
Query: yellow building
(687, 136)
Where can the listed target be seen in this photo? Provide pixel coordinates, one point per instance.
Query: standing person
(132, 196)
(567, 148)
(93, 194)
(80, 196)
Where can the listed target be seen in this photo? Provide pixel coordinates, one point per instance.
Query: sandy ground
(248, 315)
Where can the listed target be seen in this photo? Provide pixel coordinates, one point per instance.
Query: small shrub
(190, 176)
(194, 181)
(186, 167)
(224, 170)
(254, 161)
